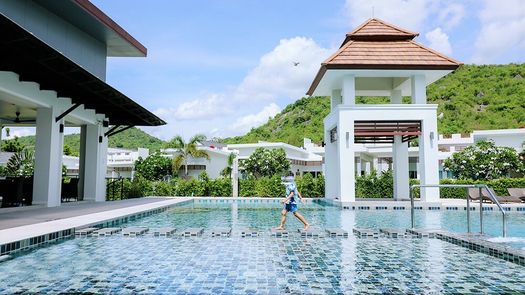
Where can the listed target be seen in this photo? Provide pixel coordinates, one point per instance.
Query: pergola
(380, 59)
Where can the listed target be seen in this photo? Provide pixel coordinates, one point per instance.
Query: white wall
(59, 34)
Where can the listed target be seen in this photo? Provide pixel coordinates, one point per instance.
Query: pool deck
(21, 223)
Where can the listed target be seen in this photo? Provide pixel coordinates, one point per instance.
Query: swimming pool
(265, 264)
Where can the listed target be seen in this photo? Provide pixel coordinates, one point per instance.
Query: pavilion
(52, 75)
(380, 59)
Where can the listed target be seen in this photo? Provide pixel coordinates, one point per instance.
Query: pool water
(265, 264)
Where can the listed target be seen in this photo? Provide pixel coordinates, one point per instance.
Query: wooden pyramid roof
(378, 45)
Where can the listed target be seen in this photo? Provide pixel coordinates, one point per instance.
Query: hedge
(371, 186)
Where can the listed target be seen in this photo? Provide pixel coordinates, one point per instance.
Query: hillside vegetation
(472, 98)
(130, 139)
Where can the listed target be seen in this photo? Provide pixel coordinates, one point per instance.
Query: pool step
(279, 233)
(134, 231)
(192, 232)
(394, 232)
(164, 232)
(366, 233)
(221, 232)
(336, 232)
(108, 231)
(84, 232)
(424, 233)
(249, 232)
(311, 233)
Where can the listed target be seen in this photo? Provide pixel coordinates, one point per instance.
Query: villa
(52, 76)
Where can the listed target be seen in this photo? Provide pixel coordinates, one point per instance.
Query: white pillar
(346, 161)
(47, 181)
(428, 159)
(359, 167)
(367, 168)
(235, 178)
(95, 164)
(400, 168)
(335, 99)
(418, 88)
(395, 97)
(348, 92)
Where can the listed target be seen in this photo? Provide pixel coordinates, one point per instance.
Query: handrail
(467, 186)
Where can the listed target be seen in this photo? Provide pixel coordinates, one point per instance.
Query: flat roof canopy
(35, 61)
(384, 131)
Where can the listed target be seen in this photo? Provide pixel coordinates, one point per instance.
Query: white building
(121, 162)
(302, 160)
(53, 75)
(213, 166)
(379, 59)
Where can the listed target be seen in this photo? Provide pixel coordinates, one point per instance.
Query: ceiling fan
(17, 119)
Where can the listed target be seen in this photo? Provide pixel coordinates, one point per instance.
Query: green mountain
(129, 139)
(472, 98)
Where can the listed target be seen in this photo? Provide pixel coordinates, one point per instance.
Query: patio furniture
(473, 193)
(69, 190)
(518, 193)
(502, 199)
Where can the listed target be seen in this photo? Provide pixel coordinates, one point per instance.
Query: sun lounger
(517, 193)
(473, 193)
(501, 199)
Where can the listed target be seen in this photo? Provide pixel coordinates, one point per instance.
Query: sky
(223, 67)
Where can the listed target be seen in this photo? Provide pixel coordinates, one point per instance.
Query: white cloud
(502, 29)
(451, 15)
(439, 41)
(205, 108)
(408, 14)
(244, 124)
(276, 75)
(254, 100)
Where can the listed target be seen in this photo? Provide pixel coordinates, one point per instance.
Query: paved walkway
(26, 223)
(19, 216)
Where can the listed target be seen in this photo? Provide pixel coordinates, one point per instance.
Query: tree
(267, 162)
(154, 167)
(227, 171)
(484, 160)
(12, 145)
(67, 150)
(184, 150)
(22, 163)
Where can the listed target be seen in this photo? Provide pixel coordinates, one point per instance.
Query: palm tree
(184, 150)
(227, 171)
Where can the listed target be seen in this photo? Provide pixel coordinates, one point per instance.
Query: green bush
(309, 186)
(374, 185)
(269, 187)
(220, 187)
(247, 187)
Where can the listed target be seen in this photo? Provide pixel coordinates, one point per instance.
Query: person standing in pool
(290, 204)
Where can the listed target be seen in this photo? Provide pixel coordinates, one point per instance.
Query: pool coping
(22, 238)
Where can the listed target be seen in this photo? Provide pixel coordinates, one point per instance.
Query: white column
(367, 168)
(428, 158)
(335, 99)
(47, 182)
(95, 164)
(400, 168)
(419, 91)
(235, 178)
(346, 161)
(82, 163)
(395, 97)
(348, 92)
(358, 167)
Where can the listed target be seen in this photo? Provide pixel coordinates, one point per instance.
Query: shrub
(484, 160)
(269, 187)
(154, 167)
(220, 187)
(266, 162)
(247, 187)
